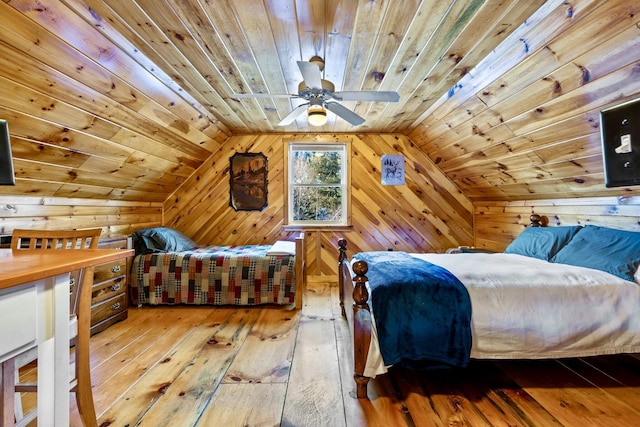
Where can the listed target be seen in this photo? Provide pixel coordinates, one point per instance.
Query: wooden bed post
(301, 270)
(342, 258)
(535, 220)
(361, 327)
(354, 291)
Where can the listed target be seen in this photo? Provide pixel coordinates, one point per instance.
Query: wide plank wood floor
(270, 366)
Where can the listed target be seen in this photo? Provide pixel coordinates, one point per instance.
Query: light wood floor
(205, 366)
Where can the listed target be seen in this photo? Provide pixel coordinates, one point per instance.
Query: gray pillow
(542, 242)
(607, 249)
(161, 239)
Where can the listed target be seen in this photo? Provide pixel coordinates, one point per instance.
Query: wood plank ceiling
(124, 99)
(213, 49)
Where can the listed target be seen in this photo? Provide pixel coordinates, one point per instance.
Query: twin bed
(170, 268)
(555, 292)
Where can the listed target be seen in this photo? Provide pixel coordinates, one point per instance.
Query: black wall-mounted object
(620, 131)
(6, 161)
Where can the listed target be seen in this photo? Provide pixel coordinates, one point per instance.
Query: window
(317, 184)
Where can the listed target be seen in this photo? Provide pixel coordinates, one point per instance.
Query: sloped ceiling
(124, 99)
(213, 49)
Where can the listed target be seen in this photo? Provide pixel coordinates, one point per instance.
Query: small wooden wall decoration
(392, 170)
(248, 181)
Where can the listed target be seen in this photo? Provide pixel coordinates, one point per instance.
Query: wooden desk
(34, 311)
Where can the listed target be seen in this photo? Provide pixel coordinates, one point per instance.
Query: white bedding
(527, 308)
(282, 247)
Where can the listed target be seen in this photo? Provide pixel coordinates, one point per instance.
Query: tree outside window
(317, 184)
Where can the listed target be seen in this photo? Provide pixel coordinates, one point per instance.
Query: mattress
(527, 308)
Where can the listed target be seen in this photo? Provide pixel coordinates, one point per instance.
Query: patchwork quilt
(217, 275)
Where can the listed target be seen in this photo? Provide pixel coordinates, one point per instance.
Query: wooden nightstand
(109, 299)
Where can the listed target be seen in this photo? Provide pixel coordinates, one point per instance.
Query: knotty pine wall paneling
(497, 223)
(87, 119)
(524, 124)
(115, 217)
(428, 213)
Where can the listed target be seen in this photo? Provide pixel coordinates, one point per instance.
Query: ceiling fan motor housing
(307, 93)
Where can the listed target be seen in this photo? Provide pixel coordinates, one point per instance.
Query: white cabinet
(19, 319)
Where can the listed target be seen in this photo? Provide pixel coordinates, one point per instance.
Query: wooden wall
(524, 124)
(497, 223)
(116, 218)
(89, 119)
(428, 213)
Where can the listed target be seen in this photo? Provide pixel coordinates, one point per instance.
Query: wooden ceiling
(212, 49)
(124, 99)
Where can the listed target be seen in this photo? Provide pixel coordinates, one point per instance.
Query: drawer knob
(115, 287)
(116, 269)
(115, 306)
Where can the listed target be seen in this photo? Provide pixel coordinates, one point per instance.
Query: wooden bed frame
(301, 270)
(353, 292)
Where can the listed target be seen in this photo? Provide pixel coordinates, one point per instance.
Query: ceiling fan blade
(372, 96)
(262, 95)
(289, 118)
(343, 112)
(311, 74)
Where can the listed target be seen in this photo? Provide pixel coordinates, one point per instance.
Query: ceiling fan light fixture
(317, 115)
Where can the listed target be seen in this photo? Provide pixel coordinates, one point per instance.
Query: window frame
(345, 147)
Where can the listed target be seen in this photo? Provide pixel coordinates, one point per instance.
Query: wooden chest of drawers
(110, 282)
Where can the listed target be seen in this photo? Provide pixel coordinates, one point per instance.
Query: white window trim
(345, 148)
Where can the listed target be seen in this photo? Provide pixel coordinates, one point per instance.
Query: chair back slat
(55, 239)
(26, 239)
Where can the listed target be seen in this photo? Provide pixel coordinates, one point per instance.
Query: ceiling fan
(319, 93)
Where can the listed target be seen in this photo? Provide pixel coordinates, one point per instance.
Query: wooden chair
(80, 321)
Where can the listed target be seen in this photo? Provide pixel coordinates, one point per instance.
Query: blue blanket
(422, 311)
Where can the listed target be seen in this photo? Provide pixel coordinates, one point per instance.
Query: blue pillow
(161, 239)
(542, 242)
(607, 249)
